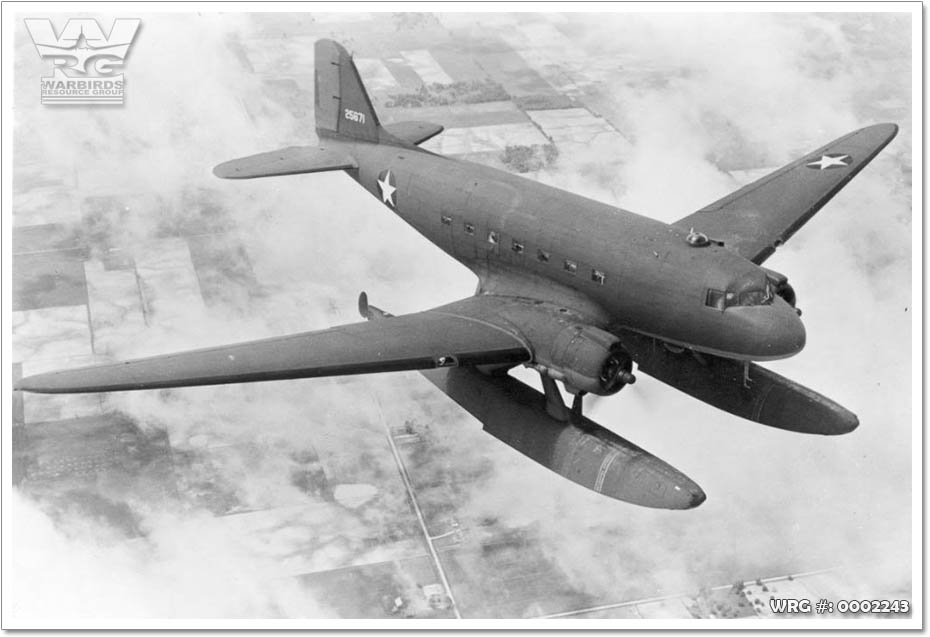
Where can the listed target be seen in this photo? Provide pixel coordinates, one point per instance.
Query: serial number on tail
(354, 116)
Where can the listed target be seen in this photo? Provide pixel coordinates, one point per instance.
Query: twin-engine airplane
(574, 289)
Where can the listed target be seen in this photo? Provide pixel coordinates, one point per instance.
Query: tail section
(343, 110)
(342, 105)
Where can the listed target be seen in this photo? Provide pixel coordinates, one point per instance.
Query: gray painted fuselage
(654, 282)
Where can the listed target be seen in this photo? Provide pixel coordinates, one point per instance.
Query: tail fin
(342, 105)
(343, 108)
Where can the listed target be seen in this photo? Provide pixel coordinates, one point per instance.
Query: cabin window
(516, 246)
(494, 237)
(598, 277)
(542, 256)
(569, 266)
(446, 220)
(469, 228)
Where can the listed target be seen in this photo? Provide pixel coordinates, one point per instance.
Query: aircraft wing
(759, 217)
(426, 340)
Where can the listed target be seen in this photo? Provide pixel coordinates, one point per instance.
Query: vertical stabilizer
(342, 105)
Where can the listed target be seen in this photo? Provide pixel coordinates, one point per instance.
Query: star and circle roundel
(386, 184)
(829, 161)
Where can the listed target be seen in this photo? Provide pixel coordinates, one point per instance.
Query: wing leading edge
(426, 340)
(759, 217)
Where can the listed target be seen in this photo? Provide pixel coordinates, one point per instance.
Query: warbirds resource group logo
(85, 59)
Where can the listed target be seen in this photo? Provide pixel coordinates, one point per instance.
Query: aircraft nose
(787, 335)
(765, 332)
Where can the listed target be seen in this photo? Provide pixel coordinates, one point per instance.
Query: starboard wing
(426, 340)
(761, 216)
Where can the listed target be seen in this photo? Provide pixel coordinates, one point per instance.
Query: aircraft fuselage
(642, 272)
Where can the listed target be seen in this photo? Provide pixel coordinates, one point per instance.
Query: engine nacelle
(587, 359)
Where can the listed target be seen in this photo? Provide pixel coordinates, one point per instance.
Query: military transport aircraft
(577, 290)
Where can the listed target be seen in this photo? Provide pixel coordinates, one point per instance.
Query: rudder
(341, 102)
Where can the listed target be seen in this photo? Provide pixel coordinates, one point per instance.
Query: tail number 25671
(354, 116)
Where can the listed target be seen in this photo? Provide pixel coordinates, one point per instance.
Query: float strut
(576, 405)
(555, 406)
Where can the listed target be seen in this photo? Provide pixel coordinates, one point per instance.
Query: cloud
(186, 565)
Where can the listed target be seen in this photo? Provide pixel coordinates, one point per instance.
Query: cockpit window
(756, 297)
(740, 294)
(715, 299)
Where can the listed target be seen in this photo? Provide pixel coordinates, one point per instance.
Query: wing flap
(414, 132)
(294, 160)
(759, 217)
(425, 340)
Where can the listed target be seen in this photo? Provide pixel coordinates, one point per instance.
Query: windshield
(751, 289)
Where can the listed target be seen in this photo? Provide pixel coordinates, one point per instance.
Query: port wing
(425, 340)
(294, 160)
(758, 218)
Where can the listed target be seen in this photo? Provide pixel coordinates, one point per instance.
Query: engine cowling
(588, 359)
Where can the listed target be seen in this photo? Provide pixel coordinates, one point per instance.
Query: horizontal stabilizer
(413, 132)
(580, 450)
(294, 160)
(766, 398)
(426, 340)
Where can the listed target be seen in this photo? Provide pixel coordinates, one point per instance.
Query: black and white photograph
(462, 315)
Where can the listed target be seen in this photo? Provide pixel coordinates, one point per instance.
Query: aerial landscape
(377, 497)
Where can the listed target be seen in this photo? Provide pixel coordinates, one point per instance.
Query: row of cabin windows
(518, 247)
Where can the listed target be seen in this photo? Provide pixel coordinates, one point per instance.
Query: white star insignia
(387, 190)
(829, 161)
